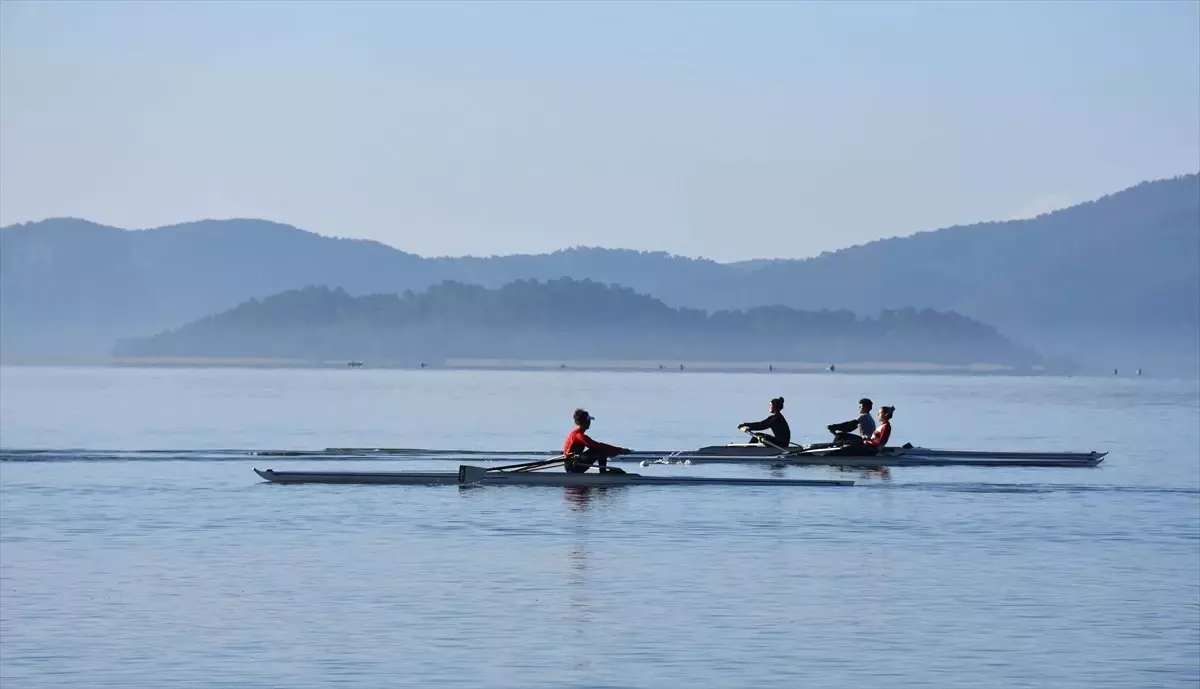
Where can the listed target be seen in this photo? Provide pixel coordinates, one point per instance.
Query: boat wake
(67, 455)
(214, 455)
(974, 487)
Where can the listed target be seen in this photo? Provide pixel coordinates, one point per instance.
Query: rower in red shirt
(882, 434)
(581, 451)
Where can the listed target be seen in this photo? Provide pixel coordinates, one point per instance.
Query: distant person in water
(780, 435)
(582, 452)
(884, 433)
(844, 433)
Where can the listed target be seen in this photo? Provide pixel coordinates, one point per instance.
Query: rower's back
(866, 424)
(780, 429)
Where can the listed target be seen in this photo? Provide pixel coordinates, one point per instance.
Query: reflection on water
(162, 573)
(585, 497)
(579, 614)
(579, 497)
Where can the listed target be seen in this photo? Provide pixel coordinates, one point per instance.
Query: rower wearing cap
(775, 423)
(581, 451)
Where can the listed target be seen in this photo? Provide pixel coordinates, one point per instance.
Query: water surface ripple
(137, 549)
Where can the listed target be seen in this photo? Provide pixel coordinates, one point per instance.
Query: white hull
(524, 478)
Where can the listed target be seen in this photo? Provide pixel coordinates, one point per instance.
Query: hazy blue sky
(722, 130)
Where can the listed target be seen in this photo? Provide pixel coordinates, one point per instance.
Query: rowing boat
(469, 475)
(831, 455)
(803, 455)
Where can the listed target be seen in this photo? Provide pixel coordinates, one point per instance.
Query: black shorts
(582, 461)
(759, 436)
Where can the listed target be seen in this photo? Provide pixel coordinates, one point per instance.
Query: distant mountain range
(1110, 282)
(567, 320)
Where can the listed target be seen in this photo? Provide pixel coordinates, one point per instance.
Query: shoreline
(590, 365)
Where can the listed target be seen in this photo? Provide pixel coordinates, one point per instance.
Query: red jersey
(881, 435)
(577, 440)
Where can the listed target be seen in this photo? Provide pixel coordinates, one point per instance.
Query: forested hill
(567, 320)
(1116, 280)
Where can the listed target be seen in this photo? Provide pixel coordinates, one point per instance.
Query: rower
(782, 433)
(864, 424)
(581, 451)
(882, 434)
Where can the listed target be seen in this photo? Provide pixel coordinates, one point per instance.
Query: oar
(527, 466)
(799, 449)
(783, 454)
(474, 474)
(764, 441)
(542, 465)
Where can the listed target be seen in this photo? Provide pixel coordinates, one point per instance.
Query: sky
(723, 130)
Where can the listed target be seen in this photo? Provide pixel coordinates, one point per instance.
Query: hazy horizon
(553, 250)
(726, 131)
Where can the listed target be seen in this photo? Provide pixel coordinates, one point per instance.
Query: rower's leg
(600, 459)
(769, 441)
(845, 439)
(578, 464)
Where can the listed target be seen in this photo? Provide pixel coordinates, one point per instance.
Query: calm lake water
(183, 569)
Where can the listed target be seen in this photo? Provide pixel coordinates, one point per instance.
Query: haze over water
(183, 571)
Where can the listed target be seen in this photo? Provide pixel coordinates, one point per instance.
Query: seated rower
(864, 424)
(869, 447)
(880, 437)
(781, 434)
(581, 451)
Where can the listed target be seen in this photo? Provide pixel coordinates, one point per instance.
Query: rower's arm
(758, 425)
(597, 445)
